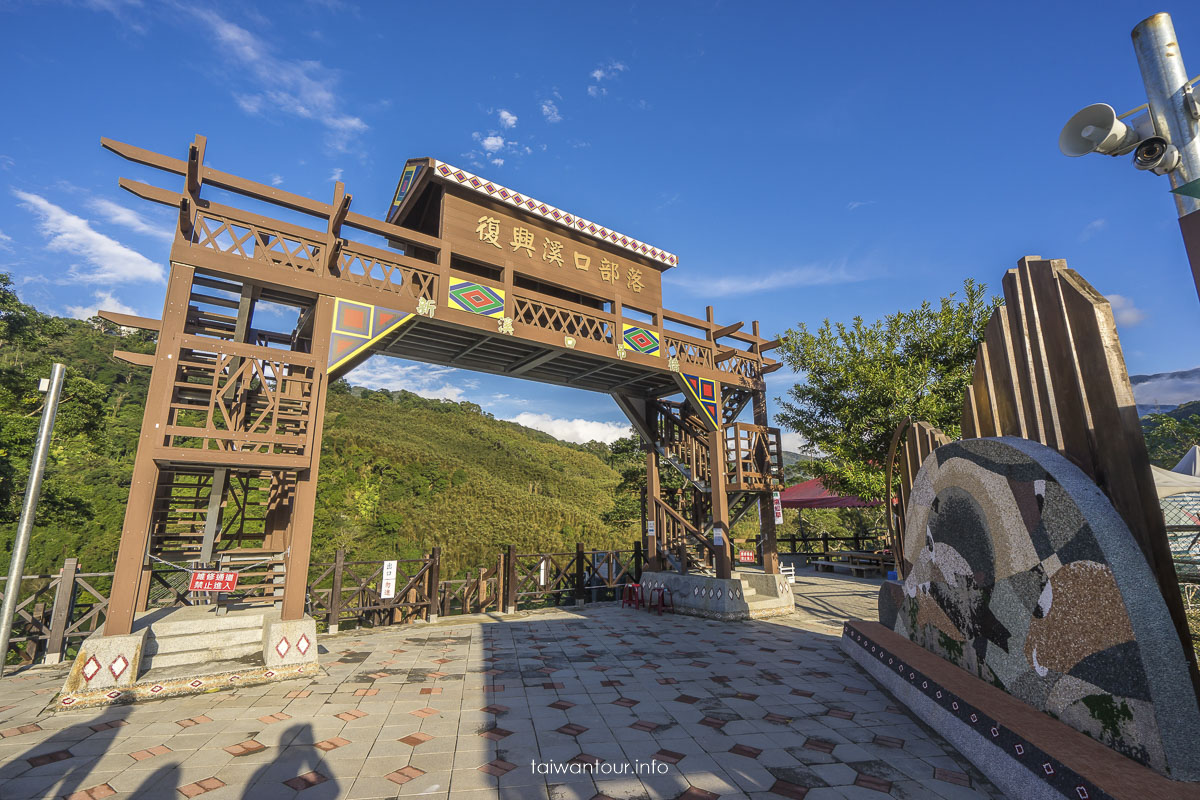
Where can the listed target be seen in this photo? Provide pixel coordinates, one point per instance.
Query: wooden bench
(860, 563)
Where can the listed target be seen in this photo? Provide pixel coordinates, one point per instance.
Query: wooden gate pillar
(132, 576)
(720, 501)
(766, 505)
(295, 579)
(652, 516)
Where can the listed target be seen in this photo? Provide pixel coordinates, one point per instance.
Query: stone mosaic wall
(1027, 577)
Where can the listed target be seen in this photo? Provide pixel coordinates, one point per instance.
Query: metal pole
(32, 490)
(1169, 96)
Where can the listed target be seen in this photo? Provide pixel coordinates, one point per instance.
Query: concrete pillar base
(290, 642)
(107, 662)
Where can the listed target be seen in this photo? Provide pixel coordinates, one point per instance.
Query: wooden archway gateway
(476, 276)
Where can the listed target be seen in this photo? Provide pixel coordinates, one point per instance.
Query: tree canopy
(861, 380)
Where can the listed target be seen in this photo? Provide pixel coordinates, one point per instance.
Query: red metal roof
(812, 494)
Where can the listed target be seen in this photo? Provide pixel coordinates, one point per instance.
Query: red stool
(632, 595)
(665, 598)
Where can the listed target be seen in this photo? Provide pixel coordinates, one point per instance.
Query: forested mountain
(399, 473)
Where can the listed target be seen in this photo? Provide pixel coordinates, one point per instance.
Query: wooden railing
(754, 457)
(682, 443)
(350, 591)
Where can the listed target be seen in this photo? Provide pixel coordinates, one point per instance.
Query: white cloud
(613, 69)
(301, 88)
(853, 204)
(499, 162)
(792, 441)
(1092, 228)
(118, 214)
(107, 261)
(507, 119)
(812, 275)
(492, 143)
(105, 301)
(573, 430)
(336, 175)
(1166, 388)
(550, 111)
(1124, 310)
(596, 91)
(276, 179)
(5, 241)
(435, 383)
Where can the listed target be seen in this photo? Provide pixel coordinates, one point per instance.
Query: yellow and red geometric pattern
(704, 392)
(356, 327)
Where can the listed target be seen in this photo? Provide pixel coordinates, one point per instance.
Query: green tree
(1169, 437)
(862, 380)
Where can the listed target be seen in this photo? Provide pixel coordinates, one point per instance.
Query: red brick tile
(841, 713)
(496, 734)
(745, 696)
(101, 791)
(802, 693)
(49, 758)
(404, 775)
(245, 748)
(427, 690)
(872, 782)
(427, 711)
(492, 709)
(351, 715)
(552, 685)
(332, 744)
(777, 719)
(694, 793)
(305, 781)
(498, 767)
(414, 739)
(643, 725)
(952, 776)
(888, 741)
(667, 681)
(820, 745)
(160, 749)
(562, 705)
(687, 698)
(571, 729)
(104, 726)
(712, 722)
(668, 756)
(611, 683)
(208, 784)
(791, 790)
(271, 719)
(745, 750)
(371, 692)
(626, 702)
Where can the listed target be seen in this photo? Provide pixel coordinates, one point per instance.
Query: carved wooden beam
(727, 330)
(137, 359)
(131, 321)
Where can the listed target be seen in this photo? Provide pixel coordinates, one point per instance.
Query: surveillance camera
(1156, 155)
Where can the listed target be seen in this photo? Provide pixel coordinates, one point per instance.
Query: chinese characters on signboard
(204, 581)
(387, 589)
(523, 240)
(778, 508)
(746, 556)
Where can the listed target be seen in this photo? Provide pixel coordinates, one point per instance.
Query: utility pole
(33, 489)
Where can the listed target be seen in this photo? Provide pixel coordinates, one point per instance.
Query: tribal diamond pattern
(640, 339)
(531, 206)
(477, 299)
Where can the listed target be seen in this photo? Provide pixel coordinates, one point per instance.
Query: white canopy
(1190, 463)
(1172, 482)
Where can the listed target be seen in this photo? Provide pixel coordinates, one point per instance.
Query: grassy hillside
(399, 473)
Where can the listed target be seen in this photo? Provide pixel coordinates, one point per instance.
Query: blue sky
(804, 160)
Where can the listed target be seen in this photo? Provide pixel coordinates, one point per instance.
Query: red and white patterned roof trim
(567, 220)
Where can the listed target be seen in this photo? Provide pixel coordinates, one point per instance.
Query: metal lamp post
(33, 490)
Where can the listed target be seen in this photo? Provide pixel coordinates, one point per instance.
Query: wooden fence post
(60, 617)
(510, 580)
(335, 594)
(435, 583)
(499, 596)
(637, 562)
(683, 554)
(579, 572)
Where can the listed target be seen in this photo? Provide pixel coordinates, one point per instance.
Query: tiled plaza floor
(762, 710)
